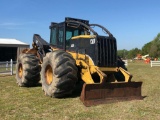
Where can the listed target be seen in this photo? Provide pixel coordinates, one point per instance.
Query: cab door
(57, 38)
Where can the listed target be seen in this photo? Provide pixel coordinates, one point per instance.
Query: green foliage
(152, 48)
(122, 53)
(133, 53)
(146, 48)
(155, 47)
(129, 54)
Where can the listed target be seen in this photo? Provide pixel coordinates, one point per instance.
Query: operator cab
(62, 34)
(77, 35)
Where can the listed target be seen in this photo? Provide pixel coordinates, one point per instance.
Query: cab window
(53, 36)
(60, 36)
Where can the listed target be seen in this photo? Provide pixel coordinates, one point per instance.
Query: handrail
(103, 28)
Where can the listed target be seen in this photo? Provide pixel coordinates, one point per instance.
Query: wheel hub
(20, 70)
(49, 74)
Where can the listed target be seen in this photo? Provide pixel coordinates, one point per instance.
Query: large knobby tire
(27, 70)
(58, 74)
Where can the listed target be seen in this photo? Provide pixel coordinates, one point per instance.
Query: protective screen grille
(107, 52)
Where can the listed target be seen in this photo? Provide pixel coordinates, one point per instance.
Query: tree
(122, 53)
(152, 48)
(155, 47)
(133, 53)
(146, 48)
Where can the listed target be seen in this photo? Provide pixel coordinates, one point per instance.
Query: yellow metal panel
(85, 72)
(109, 69)
(126, 74)
(77, 56)
(83, 36)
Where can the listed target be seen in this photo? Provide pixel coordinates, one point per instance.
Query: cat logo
(92, 41)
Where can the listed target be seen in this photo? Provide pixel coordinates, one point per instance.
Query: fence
(7, 67)
(155, 63)
(126, 62)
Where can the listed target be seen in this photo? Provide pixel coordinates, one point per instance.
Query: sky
(132, 22)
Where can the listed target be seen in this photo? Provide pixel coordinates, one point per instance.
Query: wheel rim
(20, 70)
(49, 74)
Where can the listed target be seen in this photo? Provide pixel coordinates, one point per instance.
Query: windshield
(71, 32)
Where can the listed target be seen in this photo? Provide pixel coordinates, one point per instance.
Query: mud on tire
(27, 70)
(58, 74)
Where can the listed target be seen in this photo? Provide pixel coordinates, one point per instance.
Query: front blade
(94, 94)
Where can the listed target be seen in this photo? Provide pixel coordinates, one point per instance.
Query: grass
(19, 103)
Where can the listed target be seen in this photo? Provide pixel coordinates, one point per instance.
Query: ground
(30, 103)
